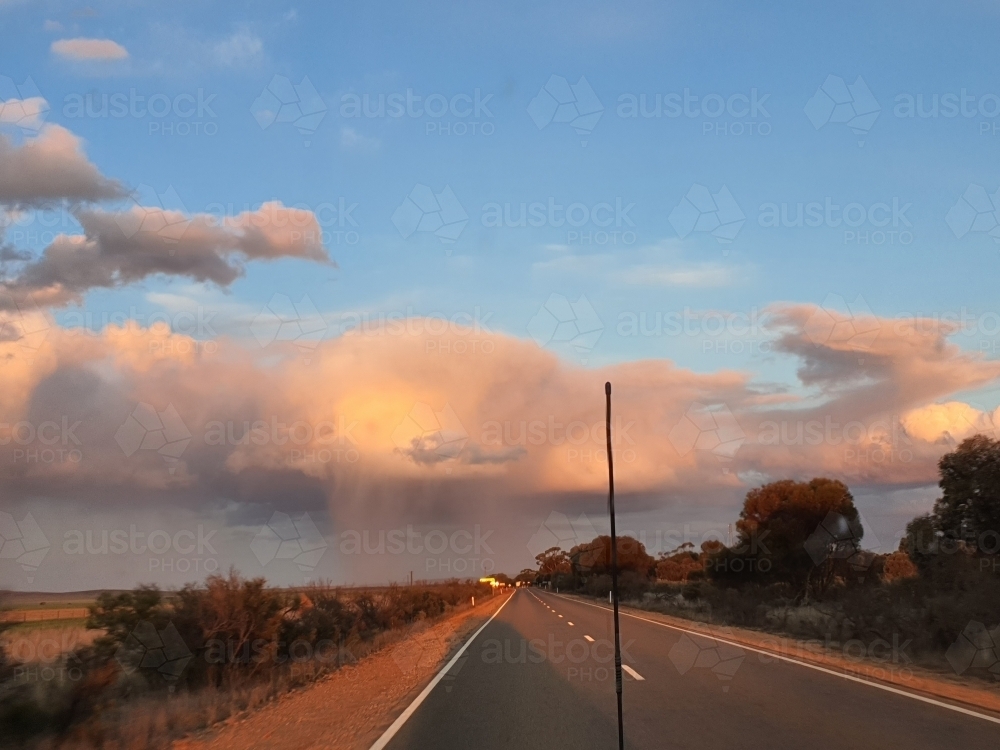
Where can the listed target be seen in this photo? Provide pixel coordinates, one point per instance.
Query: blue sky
(901, 177)
(785, 53)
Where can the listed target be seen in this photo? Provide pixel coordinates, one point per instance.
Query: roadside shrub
(215, 649)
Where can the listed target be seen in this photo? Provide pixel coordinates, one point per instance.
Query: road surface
(541, 675)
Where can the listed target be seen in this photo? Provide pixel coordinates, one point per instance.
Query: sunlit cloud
(82, 48)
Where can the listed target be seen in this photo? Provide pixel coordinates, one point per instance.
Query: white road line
(588, 638)
(560, 616)
(790, 660)
(632, 672)
(569, 623)
(389, 733)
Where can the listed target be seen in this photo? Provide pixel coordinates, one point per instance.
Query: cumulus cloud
(27, 114)
(907, 362)
(50, 168)
(950, 422)
(82, 48)
(119, 248)
(373, 424)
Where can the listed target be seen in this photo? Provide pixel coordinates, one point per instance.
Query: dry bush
(242, 644)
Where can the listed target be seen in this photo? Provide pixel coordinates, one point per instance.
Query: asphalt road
(541, 675)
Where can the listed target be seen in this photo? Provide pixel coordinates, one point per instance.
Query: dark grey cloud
(50, 169)
(124, 247)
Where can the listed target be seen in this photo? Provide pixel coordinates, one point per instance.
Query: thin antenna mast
(614, 572)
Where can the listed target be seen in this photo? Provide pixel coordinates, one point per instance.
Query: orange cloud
(82, 48)
(377, 423)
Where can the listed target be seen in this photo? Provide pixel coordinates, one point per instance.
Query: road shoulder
(350, 708)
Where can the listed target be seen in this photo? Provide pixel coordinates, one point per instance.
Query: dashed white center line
(560, 617)
(569, 623)
(588, 638)
(632, 672)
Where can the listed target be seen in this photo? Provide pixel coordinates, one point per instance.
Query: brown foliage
(594, 557)
(898, 567)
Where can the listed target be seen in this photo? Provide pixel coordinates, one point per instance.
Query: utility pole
(614, 571)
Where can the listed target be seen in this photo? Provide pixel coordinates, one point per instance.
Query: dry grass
(153, 723)
(98, 706)
(30, 644)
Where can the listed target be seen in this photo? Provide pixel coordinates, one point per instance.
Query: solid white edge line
(852, 678)
(389, 733)
(632, 672)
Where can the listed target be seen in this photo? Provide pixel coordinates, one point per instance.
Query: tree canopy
(791, 532)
